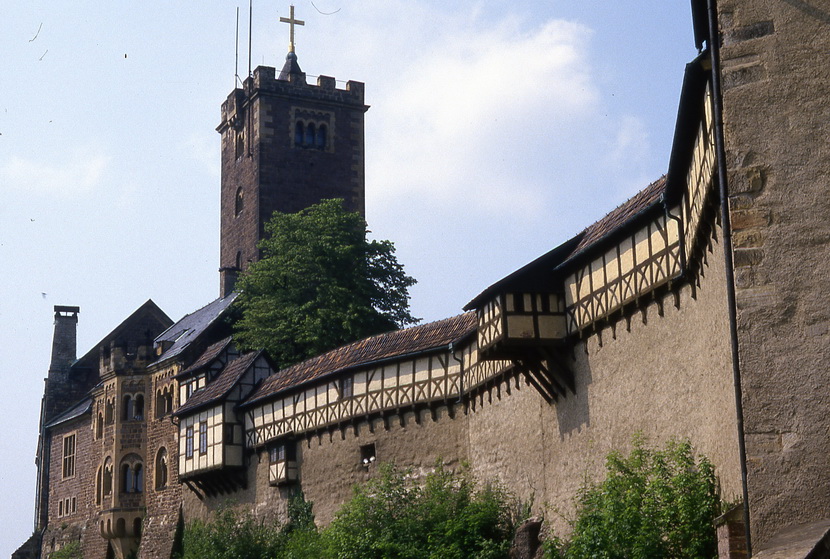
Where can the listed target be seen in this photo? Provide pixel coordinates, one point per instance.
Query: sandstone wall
(776, 96)
(668, 377)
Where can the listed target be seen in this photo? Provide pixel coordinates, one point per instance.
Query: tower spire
(291, 21)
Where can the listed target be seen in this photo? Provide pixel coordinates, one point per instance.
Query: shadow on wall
(572, 412)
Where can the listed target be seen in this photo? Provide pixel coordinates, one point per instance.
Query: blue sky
(496, 131)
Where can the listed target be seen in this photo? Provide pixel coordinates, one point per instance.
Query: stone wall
(665, 376)
(330, 464)
(64, 527)
(776, 99)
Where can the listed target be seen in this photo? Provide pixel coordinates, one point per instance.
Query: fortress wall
(776, 110)
(670, 377)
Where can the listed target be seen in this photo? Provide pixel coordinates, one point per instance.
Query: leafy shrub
(449, 517)
(390, 517)
(71, 550)
(653, 504)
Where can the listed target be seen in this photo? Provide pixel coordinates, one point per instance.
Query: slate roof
(399, 343)
(211, 353)
(186, 330)
(535, 274)
(221, 385)
(81, 408)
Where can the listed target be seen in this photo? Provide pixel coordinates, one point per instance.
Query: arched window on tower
(138, 478)
(161, 468)
(107, 482)
(320, 143)
(299, 134)
(239, 144)
(239, 201)
(309, 134)
(239, 260)
(159, 403)
(127, 408)
(138, 407)
(126, 479)
(99, 426)
(109, 411)
(99, 485)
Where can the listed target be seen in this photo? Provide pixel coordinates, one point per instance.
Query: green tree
(320, 284)
(449, 517)
(653, 504)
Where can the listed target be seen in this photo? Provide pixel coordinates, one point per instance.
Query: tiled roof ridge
(379, 347)
(619, 216)
(210, 353)
(221, 385)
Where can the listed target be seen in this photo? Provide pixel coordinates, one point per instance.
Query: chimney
(64, 342)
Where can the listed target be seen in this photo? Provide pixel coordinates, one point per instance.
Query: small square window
(368, 455)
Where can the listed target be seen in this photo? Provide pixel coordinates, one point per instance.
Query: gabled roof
(221, 385)
(212, 352)
(538, 274)
(397, 344)
(619, 219)
(78, 410)
(188, 329)
(144, 322)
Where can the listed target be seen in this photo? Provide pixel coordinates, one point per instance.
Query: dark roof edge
(402, 356)
(213, 402)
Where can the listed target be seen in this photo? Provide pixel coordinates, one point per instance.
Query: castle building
(695, 310)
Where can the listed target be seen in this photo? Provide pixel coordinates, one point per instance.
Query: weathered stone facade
(625, 328)
(776, 86)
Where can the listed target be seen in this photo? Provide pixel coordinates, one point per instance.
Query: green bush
(449, 517)
(390, 517)
(71, 550)
(653, 504)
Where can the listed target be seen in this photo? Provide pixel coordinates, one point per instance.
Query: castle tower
(286, 144)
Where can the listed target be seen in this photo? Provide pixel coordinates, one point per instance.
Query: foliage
(231, 536)
(450, 517)
(653, 504)
(390, 517)
(71, 550)
(320, 284)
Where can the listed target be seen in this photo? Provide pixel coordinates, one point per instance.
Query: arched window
(120, 527)
(99, 489)
(107, 484)
(239, 201)
(99, 426)
(159, 403)
(161, 468)
(109, 411)
(299, 134)
(138, 478)
(138, 407)
(239, 260)
(309, 134)
(126, 479)
(168, 400)
(320, 143)
(127, 408)
(239, 144)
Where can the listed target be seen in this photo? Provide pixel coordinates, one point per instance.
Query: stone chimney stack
(64, 342)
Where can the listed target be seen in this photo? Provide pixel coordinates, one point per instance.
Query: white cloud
(80, 174)
(465, 113)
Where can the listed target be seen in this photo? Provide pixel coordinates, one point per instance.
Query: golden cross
(291, 23)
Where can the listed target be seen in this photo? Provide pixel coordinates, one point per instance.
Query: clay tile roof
(531, 275)
(399, 343)
(220, 386)
(211, 353)
(616, 219)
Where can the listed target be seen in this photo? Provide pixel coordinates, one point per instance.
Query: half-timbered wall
(641, 262)
(200, 441)
(700, 178)
(429, 378)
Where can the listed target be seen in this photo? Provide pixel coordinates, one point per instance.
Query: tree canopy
(320, 284)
